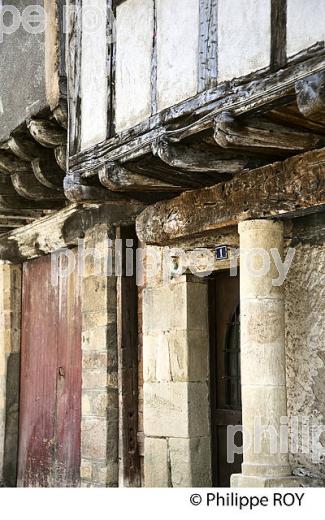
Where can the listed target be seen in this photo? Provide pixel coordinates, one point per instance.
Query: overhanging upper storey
(33, 110)
(170, 95)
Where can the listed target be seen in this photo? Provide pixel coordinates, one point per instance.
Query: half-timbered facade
(190, 133)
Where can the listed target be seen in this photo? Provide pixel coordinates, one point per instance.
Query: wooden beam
(117, 178)
(47, 133)
(63, 229)
(27, 186)
(17, 203)
(285, 188)
(278, 33)
(10, 164)
(191, 159)
(61, 114)
(262, 136)
(311, 97)
(24, 147)
(208, 53)
(60, 153)
(48, 173)
(6, 187)
(78, 191)
(127, 342)
(74, 29)
(258, 91)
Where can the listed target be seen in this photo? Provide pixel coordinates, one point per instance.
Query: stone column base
(244, 481)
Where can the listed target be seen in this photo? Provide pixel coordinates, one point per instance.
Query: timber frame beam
(62, 229)
(284, 189)
(253, 94)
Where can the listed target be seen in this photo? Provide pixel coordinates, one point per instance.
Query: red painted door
(50, 382)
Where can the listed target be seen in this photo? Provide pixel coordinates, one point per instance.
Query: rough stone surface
(305, 347)
(156, 464)
(190, 461)
(99, 426)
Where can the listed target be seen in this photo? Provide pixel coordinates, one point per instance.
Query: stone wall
(176, 395)
(305, 343)
(10, 314)
(99, 425)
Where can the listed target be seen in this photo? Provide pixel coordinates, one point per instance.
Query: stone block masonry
(177, 449)
(99, 425)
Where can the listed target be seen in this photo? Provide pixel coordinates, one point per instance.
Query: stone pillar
(10, 317)
(264, 400)
(99, 423)
(176, 408)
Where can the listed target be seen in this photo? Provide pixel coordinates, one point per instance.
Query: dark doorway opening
(226, 415)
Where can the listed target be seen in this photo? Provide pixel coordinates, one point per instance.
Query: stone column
(10, 318)
(176, 407)
(264, 400)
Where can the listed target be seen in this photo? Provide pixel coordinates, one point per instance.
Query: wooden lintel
(311, 97)
(63, 229)
(117, 178)
(262, 136)
(191, 159)
(47, 133)
(285, 188)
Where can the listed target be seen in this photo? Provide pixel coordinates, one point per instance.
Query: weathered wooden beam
(6, 187)
(285, 188)
(74, 29)
(10, 164)
(20, 204)
(191, 159)
(128, 362)
(48, 173)
(262, 136)
(24, 147)
(77, 191)
(278, 33)
(61, 114)
(27, 186)
(311, 97)
(117, 178)
(47, 133)
(63, 229)
(60, 153)
(208, 52)
(259, 91)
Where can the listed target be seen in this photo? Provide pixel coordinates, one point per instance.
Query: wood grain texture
(311, 97)
(208, 52)
(74, 27)
(278, 33)
(127, 340)
(263, 136)
(47, 133)
(285, 188)
(259, 91)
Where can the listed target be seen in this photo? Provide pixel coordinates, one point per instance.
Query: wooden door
(225, 373)
(50, 383)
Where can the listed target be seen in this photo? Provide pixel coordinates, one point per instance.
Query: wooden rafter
(287, 188)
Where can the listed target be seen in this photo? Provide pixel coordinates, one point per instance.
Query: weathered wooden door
(50, 384)
(225, 375)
